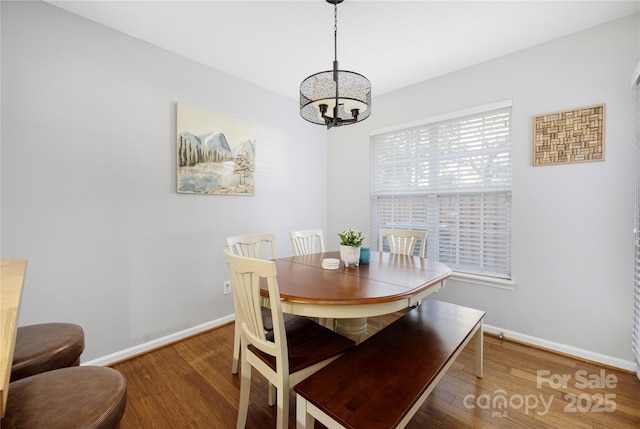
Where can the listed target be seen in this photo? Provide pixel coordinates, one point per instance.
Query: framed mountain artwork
(215, 153)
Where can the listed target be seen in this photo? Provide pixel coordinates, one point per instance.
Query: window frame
(503, 279)
(635, 340)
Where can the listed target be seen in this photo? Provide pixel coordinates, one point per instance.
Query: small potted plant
(350, 243)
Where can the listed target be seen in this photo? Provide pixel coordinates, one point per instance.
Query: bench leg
(479, 352)
(307, 413)
(304, 420)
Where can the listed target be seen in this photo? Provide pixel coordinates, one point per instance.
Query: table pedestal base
(355, 329)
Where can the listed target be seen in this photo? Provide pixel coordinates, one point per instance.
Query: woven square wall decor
(575, 135)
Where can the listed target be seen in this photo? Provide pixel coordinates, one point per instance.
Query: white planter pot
(350, 255)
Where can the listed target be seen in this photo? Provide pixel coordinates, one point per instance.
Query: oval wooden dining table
(390, 282)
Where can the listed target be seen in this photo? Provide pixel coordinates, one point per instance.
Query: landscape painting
(215, 153)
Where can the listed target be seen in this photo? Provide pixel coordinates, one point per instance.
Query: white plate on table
(330, 263)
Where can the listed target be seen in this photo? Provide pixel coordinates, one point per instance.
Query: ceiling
(276, 44)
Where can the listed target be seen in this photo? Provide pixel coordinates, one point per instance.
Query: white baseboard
(159, 342)
(565, 349)
(550, 345)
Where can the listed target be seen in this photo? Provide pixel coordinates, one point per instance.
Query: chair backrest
(403, 241)
(246, 274)
(306, 241)
(253, 245)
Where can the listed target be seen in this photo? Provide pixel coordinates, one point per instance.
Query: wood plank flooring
(189, 385)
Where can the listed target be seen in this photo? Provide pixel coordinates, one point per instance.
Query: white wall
(88, 179)
(88, 182)
(572, 224)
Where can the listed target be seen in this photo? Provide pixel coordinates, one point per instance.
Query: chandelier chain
(335, 31)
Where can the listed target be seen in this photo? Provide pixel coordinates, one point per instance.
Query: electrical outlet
(227, 287)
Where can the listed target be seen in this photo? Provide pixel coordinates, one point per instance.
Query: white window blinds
(451, 177)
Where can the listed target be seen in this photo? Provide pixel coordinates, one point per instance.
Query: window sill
(483, 280)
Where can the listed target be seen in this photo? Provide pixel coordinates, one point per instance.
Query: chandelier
(335, 97)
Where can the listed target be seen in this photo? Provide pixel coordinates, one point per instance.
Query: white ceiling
(276, 44)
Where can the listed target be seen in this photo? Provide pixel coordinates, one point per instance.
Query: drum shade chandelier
(335, 97)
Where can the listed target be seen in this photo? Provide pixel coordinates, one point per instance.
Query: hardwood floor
(189, 385)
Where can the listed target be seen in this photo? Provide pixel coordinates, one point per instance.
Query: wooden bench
(383, 382)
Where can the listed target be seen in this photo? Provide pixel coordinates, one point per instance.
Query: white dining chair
(262, 246)
(306, 241)
(402, 241)
(290, 352)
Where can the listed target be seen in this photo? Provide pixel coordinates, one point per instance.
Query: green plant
(351, 237)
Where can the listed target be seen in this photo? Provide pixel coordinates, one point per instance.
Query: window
(450, 176)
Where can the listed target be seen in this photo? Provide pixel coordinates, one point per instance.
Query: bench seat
(383, 382)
